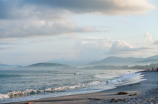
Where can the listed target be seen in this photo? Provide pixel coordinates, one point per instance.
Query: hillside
(46, 64)
(117, 61)
(125, 61)
(122, 67)
(148, 61)
(7, 66)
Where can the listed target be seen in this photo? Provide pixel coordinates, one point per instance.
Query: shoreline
(104, 97)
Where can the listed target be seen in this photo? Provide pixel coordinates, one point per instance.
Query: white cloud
(100, 48)
(148, 37)
(124, 21)
(156, 42)
(120, 46)
(92, 48)
(37, 28)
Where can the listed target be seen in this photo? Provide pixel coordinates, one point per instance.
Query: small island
(47, 64)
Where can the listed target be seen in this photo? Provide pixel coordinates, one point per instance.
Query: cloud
(15, 9)
(123, 21)
(3, 47)
(106, 7)
(156, 42)
(34, 18)
(94, 45)
(148, 37)
(36, 28)
(58, 9)
(122, 47)
(87, 48)
(100, 48)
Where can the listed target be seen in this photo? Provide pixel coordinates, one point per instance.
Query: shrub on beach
(122, 93)
(116, 100)
(133, 94)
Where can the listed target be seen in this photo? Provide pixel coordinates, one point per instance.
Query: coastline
(145, 88)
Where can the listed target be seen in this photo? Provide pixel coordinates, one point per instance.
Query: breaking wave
(4, 96)
(104, 84)
(123, 78)
(48, 90)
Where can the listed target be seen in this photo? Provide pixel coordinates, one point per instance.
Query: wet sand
(147, 93)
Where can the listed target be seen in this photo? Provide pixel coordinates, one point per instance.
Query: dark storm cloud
(77, 6)
(36, 8)
(92, 6)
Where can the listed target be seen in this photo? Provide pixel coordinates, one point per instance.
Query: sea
(29, 84)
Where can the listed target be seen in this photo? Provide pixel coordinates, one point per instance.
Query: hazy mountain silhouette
(113, 60)
(7, 66)
(148, 61)
(69, 62)
(46, 64)
(124, 61)
(117, 60)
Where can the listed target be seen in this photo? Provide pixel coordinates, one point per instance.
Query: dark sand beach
(147, 93)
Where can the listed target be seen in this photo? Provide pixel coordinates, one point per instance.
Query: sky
(33, 31)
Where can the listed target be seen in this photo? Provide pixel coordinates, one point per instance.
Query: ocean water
(34, 83)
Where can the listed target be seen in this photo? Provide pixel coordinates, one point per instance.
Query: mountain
(148, 61)
(153, 57)
(46, 64)
(69, 61)
(125, 61)
(117, 60)
(7, 66)
(109, 61)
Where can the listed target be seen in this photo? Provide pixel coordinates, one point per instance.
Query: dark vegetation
(133, 94)
(122, 93)
(123, 67)
(145, 66)
(116, 100)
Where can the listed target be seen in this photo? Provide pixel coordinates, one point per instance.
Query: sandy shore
(147, 93)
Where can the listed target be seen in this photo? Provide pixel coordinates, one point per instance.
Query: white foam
(64, 88)
(4, 96)
(123, 78)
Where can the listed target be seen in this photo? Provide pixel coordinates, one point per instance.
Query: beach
(146, 93)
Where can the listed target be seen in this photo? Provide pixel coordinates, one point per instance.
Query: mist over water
(33, 83)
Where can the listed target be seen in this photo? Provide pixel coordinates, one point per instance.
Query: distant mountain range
(7, 66)
(110, 61)
(148, 61)
(106, 61)
(125, 61)
(47, 64)
(69, 61)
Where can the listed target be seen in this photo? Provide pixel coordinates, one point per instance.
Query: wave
(99, 84)
(48, 90)
(123, 78)
(4, 96)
